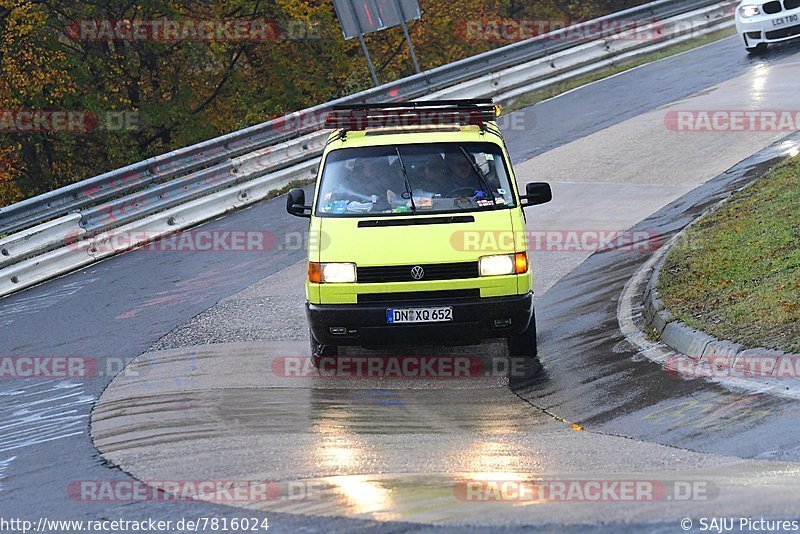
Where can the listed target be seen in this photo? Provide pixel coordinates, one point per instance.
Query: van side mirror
(296, 203)
(536, 193)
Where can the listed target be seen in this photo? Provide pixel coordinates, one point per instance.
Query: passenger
(433, 175)
(461, 175)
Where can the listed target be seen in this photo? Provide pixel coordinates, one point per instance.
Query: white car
(760, 23)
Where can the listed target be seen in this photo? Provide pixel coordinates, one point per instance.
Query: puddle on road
(232, 417)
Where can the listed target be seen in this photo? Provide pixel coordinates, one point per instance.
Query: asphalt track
(636, 420)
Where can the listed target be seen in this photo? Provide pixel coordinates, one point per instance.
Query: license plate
(419, 315)
(785, 20)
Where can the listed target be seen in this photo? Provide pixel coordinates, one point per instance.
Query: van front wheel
(524, 345)
(320, 351)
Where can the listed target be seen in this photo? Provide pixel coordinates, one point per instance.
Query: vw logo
(417, 273)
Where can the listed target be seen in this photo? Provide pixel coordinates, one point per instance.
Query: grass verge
(557, 89)
(736, 275)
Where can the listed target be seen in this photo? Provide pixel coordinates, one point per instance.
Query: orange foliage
(9, 192)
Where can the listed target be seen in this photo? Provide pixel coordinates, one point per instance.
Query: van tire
(320, 351)
(524, 345)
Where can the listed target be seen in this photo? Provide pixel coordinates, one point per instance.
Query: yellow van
(417, 232)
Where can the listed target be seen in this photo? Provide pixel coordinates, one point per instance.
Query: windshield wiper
(482, 177)
(409, 191)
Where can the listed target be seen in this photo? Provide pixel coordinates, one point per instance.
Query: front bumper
(764, 28)
(474, 320)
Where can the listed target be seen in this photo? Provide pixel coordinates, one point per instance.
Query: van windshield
(414, 179)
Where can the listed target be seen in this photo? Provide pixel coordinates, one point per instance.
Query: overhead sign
(360, 17)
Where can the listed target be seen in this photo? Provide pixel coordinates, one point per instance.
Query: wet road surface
(393, 449)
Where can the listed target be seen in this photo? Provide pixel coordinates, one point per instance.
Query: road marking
(3, 466)
(41, 412)
(28, 305)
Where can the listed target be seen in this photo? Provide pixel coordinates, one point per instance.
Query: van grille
(418, 296)
(430, 272)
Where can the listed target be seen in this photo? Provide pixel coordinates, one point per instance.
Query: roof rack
(397, 114)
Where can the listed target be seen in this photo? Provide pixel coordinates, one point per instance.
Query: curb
(643, 319)
(700, 354)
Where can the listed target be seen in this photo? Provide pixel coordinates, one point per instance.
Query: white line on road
(40, 412)
(3, 466)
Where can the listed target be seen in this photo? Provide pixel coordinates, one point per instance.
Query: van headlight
(503, 264)
(332, 273)
(749, 11)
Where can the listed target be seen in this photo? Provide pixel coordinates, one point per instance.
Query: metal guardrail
(67, 228)
(209, 153)
(588, 57)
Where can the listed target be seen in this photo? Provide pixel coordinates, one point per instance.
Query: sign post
(408, 37)
(371, 67)
(360, 17)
